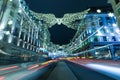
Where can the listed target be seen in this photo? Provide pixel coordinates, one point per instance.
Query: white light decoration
(107, 30)
(7, 32)
(108, 39)
(110, 14)
(19, 11)
(68, 19)
(1, 36)
(99, 33)
(10, 22)
(100, 38)
(19, 43)
(11, 0)
(98, 11)
(118, 39)
(2, 26)
(90, 31)
(59, 21)
(117, 30)
(115, 25)
(105, 27)
(20, 0)
(112, 34)
(10, 39)
(91, 39)
(96, 53)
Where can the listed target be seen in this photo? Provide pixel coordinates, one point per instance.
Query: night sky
(60, 34)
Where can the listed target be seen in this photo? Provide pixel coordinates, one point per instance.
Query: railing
(108, 51)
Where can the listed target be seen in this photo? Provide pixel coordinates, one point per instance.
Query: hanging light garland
(67, 20)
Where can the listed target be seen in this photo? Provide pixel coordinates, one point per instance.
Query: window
(113, 38)
(100, 38)
(119, 10)
(22, 35)
(111, 29)
(104, 38)
(107, 18)
(12, 13)
(91, 39)
(96, 39)
(14, 5)
(26, 38)
(16, 32)
(101, 23)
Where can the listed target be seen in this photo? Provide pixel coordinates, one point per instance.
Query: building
(100, 37)
(20, 32)
(116, 8)
(24, 33)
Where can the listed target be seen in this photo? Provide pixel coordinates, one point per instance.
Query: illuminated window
(111, 29)
(103, 31)
(1, 36)
(114, 25)
(91, 39)
(109, 39)
(10, 39)
(84, 34)
(100, 38)
(90, 31)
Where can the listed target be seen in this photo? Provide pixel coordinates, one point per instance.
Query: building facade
(20, 32)
(100, 37)
(116, 8)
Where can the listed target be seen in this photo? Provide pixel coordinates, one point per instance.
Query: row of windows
(101, 21)
(96, 39)
(102, 32)
(105, 38)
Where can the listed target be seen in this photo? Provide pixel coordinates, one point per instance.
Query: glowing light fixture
(96, 53)
(118, 39)
(19, 11)
(98, 11)
(2, 26)
(114, 24)
(117, 30)
(90, 31)
(1, 37)
(10, 39)
(7, 32)
(99, 33)
(107, 30)
(110, 14)
(10, 22)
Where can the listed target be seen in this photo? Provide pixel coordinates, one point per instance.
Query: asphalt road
(65, 70)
